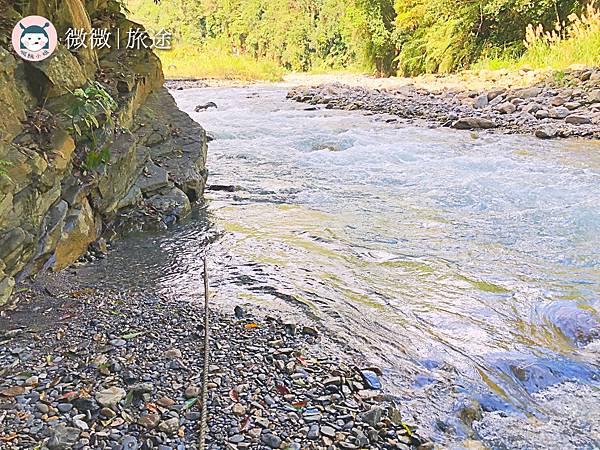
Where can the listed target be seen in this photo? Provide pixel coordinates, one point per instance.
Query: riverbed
(465, 265)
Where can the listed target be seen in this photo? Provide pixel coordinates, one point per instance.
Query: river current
(466, 266)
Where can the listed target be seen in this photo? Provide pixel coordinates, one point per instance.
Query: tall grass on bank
(212, 60)
(575, 42)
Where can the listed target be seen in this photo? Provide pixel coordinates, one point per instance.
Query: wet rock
(239, 312)
(546, 133)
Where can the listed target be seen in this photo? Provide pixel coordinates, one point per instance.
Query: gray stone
(572, 105)
(169, 426)
(63, 71)
(506, 108)
(110, 397)
(481, 101)
(174, 202)
(271, 440)
(130, 443)
(558, 113)
(63, 438)
(594, 96)
(527, 92)
(328, 431)
(64, 407)
(372, 417)
(153, 178)
(578, 119)
(469, 123)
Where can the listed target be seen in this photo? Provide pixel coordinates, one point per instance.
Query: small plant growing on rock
(92, 105)
(3, 166)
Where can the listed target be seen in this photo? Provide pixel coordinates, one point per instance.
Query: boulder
(152, 179)
(481, 101)
(7, 285)
(469, 123)
(506, 108)
(558, 113)
(546, 133)
(173, 202)
(58, 74)
(578, 119)
(594, 96)
(526, 93)
(79, 232)
(66, 14)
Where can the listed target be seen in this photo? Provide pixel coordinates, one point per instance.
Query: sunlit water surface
(466, 267)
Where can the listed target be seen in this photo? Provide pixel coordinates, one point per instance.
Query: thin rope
(203, 419)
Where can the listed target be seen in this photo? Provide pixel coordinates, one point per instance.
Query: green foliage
(448, 35)
(408, 37)
(92, 106)
(3, 166)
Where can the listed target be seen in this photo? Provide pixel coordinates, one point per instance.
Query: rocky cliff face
(52, 205)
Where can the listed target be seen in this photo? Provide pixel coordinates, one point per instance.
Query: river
(467, 267)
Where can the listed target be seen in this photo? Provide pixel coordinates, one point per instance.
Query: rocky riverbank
(84, 366)
(65, 191)
(552, 105)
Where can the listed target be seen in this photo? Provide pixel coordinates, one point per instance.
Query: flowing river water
(466, 267)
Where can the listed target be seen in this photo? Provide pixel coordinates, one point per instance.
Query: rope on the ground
(203, 403)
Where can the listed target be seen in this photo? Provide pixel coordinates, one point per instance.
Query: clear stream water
(467, 268)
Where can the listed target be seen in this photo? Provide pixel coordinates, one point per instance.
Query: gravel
(87, 367)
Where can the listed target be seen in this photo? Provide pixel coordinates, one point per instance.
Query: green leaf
(129, 398)
(189, 403)
(132, 335)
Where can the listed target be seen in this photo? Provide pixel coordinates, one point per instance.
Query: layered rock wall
(53, 207)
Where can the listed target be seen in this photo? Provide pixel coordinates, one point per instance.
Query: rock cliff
(54, 204)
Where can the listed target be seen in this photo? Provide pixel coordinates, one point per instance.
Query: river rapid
(466, 267)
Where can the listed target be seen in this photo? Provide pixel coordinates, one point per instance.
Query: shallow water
(466, 267)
